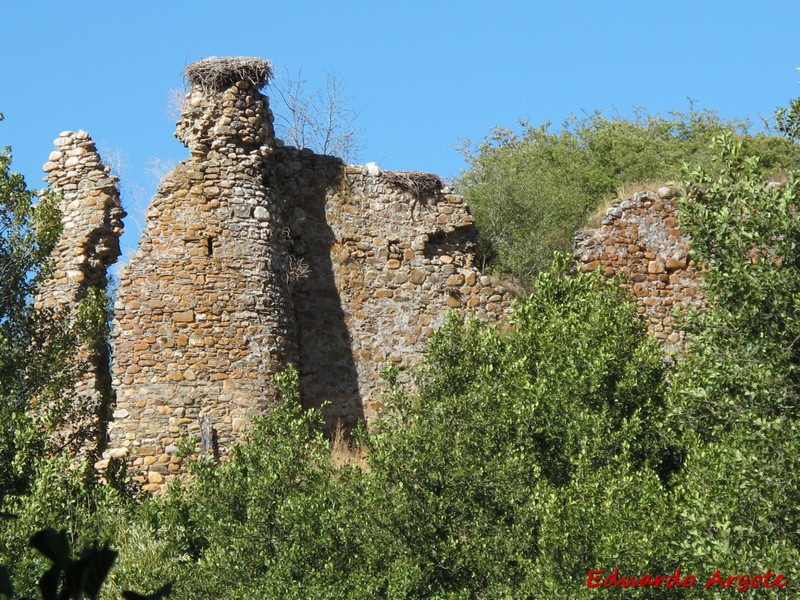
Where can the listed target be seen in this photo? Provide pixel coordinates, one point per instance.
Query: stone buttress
(89, 244)
(203, 318)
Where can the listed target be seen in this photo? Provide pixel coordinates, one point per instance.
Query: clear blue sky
(422, 74)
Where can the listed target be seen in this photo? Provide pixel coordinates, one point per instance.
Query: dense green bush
(531, 190)
(513, 440)
(736, 392)
(470, 493)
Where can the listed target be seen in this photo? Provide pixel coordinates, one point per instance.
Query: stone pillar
(89, 244)
(92, 218)
(204, 318)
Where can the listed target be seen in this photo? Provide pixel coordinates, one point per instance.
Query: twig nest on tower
(215, 74)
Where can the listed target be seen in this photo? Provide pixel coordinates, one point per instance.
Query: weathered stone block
(186, 316)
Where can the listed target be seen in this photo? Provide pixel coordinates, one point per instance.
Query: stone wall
(89, 244)
(385, 255)
(255, 255)
(639, 239)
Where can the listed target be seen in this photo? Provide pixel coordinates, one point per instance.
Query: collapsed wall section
(89, 243)
(381, 257)
(204, 319)
(639, 239)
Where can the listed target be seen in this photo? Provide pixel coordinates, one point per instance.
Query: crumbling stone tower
(204, 318)
(89, 244)
(92, 220)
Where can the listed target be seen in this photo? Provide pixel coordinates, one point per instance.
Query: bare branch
(175, 100)
(318, 119)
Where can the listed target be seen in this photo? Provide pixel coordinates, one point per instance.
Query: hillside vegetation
(530, 455)
(531, 189)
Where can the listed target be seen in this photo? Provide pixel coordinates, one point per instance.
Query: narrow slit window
(210, 246)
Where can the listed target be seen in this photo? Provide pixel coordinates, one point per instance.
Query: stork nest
(416, 182)
(216, 74)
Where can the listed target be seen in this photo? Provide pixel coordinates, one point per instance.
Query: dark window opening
(459, 241)
(210, 245)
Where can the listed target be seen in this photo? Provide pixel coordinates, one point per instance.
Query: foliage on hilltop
(531, 190)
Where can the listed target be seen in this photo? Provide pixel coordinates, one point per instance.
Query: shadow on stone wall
(328, 374)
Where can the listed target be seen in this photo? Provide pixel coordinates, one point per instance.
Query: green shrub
(476, 493)
(71, 578)
(735, 393)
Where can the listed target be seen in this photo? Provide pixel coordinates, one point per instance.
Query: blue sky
(422, 75)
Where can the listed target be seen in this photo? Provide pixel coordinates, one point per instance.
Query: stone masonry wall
(204, 317)
(386, 255)
(255, 255)
(639, 239)
(89, 244)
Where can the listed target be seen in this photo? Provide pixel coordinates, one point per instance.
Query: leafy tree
(36, 348)
(522, 451)
(39, 361)
(746, 233)
(735, 393)
(787, 120)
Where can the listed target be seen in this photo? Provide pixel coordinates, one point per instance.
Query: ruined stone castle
(256, 255)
